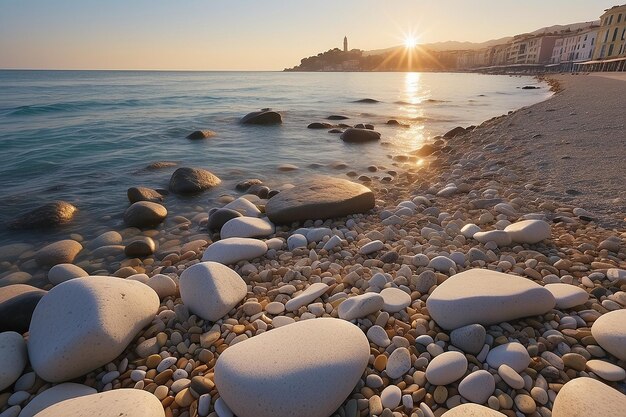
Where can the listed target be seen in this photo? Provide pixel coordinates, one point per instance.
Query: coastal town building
(531, 50)
(612, 39)
(573, 48)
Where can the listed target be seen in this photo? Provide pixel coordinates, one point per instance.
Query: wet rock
(220, 217)
(160, 165)
(353, 135)
(136, 194)
(457, 131)
(263, 117)
(367, 101)
(246, 184)
(318, 125)
(61, 252)
(17, 303)
(201, 134)
(337, 117)
(192, 180)
(144, 214)
(140, 247)
(47, 216)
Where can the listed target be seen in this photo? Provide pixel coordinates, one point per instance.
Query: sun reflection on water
(411, 107)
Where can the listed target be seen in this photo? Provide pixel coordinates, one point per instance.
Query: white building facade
(573, 48)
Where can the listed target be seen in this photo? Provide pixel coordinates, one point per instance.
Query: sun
(410, 42)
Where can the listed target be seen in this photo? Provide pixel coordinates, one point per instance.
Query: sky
(252, 34)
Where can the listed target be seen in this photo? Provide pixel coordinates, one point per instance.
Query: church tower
(345, 44)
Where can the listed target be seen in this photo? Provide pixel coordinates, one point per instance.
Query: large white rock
(512, 354)
(609, 330)
(441, 264)
(13, 358)
(246, 227)
(307, 368)
(305, 297)
(486, 297)
(244, 206)
(472, 410)
(567, 295)
(606, 370)
(360, 306)
(64, 272)
(211, 289)
(395, 300)
(85, 323)
(616, 275)
(528, 231)
(56, 394)
(469, 230)
(234, 249)
(446, 368)
(584, 397)
(478, 386)
(126, 402)
(500, 237)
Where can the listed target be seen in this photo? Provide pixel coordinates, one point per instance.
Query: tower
(345, 44)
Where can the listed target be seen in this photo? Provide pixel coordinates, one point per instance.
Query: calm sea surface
(85, 136)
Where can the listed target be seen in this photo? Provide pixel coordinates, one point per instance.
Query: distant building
(573, 48)
(612, 35)
(531, 50)
(345, 44)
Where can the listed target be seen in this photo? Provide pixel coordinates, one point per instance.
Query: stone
(246, 184)
(312, 292)
(371, 247)
(85, 323)
(13, 251)
(446, 368)
(425, 281)
(307, 368)
(616, 275)
(201, 134)
(144, 214)
(136, 194)
(126, 402)
(263, 117)
(318, 125)
(512, 378)
(441, 264)
(211, 290)
(321, 198)
(470, 338)
(469, 230)
(512, 354)
(220, 217)
(472, 410)
(140, 247)
(163, 285)
(246, 227)
(353, 135)
(275, 307)
(584, 397)
(499, 237)
(244, 206)
(14, 278)
(478, 386)
(360, 306)
(606, 370)
(528, 231)
(399, 363)
(479, 296)
(109, 238)
(187, 180)
(50, 215)
(567, 295)
(17, 303)
(64, 272)
(53, 395)
(391, 396)
(377, 335)
(609, 330)
(296, 241)
(234, 249)
(61, 252)
(13, 358)
(525, 403)
(395, 300)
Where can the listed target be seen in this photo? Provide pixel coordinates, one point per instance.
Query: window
(611, 50)
(615, 34)
(610, 20)
(624, 34)
(602, 50)
(592, 41)
(606, 36)
(619, 18)
(586, 37)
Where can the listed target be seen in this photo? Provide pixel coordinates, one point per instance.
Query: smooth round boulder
(55, 394)
(318, 125)
(584, 397)
(50, 215)
(234, 249)
(140, 247)
(64, 272)
(395, 300)
(360, 306)
(306, 368)
(192, 180)
(352, 135)
(446, 368)
(13, 358)
(567, 295)
(499, 237)
(220, 217)
(126, 402)
(144, 214)
(470, 338)
(84, 323)
(478, 386)
(246, 227)
(263, 117)
(211, 290)
(472, 410)
(528, 231)
(609, 330)
(105, 239)
(163, 285)
(244, 206)
(246, 184)
(512, 354)
(201, 134)
(136, 194)
(17, 303)
(61, 252)
(606, 370)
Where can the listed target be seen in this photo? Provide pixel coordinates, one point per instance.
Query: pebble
(567, 296)
(441, 264)
(512, 354)
(312, 292)
(391, 396)
(395, 300)
(377, 335)
(296, 241)
(360, 306)
(234, 249)
(512, 378)
(371, 247)
(610, 332)
(477, 387)
(606, 370)
(399, 363)
(446, 368)
(470, 338)
(13, 358)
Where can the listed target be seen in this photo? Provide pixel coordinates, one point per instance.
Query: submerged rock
(354, 135)
(318, 125)
(201, 134)
(192, 180)
(136, 194)
(263, 117)
(144, 214)
(47, 216)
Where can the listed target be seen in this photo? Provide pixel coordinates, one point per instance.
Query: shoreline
(488, 168)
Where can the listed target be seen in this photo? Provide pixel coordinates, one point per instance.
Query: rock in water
(144, 214)
(609, 330)
(472, 410)
(528, 231)
(263, 117)
(135, 194)
(234, 249)
(61, 252)
(57, 393)
(201, 134)
(192, 180)
(126, 402)
(140, 247)
(584, 397)
(319, 199)
(307, 368)
(211, 290)
(353, 135)
(220, 217)
(85, 323)
(17, 303)
(13, 358)
(47, 216)
(486, 297)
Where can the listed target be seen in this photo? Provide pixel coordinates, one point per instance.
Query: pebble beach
(482, 274)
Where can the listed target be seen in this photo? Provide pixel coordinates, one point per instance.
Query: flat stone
(391, 396)
(13, 358)
(441, 264)
(85, 323)
(246, 227)
(609, 330)
(395, 300)
(528, 231)
(512, 354)
(126, 402)
(606, 370)
(512, 378)
(232, 250)
(472, 410)
(61, 252)
(486, 297)
(499, 237)
(469, 230)
(377, 335)
(371, 247)
(478, 386)
(64, 272)
(616, 275)
(55, 394)
(321, 198)
(470, 338)
(17, 303)
(211, 290)
(307, 368)
(399, 363)
(446, 368)
(567, 295)
(360, 306)
(192, 180)
(584, 397)
(144, 214)
(312, 292)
